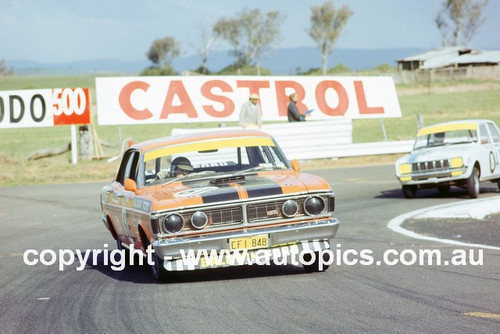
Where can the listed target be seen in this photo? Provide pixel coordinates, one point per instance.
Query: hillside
(279, 61)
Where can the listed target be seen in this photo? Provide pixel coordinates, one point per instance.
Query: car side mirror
(130, 185)
(295, 165)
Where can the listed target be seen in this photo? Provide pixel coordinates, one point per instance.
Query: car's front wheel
(157, 269)
(473, 184)
(123, 250)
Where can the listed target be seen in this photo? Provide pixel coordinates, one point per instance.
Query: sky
(51, 31)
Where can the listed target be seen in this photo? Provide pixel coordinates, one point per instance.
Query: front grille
(269, 210)
(430, 166)
(225, 216)
(220, 217)
(427, 169)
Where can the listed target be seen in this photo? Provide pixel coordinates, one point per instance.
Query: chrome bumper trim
(318, 230)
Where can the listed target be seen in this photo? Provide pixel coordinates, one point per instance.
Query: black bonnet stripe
(221, 194)
(262, 187)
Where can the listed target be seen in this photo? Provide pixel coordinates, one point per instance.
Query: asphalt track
(272, 299)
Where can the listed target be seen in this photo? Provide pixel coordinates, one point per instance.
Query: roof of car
(198, 137)
(451, 125)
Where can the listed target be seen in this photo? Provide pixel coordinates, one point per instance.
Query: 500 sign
(44, 107)
(71, 106)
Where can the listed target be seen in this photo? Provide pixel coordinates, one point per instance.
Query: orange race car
(218, 199)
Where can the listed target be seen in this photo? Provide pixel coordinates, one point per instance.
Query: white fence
(319, 140)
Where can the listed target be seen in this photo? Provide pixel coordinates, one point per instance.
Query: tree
(208, 40)
(326, 25)
(250, 34)
(4, 70)
(162, 51)
(459, 20)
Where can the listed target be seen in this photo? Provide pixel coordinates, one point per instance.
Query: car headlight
(456, 162)
(290, 208)
(199, 220)
(173, 223)
(314, 205)
(404, 169)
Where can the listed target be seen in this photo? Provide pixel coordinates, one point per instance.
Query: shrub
(243, 70)
(339, 69)
(384, 68)
(158, 71)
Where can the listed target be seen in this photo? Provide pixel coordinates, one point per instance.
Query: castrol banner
(144, 100)
(44, 107)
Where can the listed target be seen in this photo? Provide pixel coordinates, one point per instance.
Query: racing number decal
(493, 162)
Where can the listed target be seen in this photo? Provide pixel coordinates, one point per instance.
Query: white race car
(459, 153)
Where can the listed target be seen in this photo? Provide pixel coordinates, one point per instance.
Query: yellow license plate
(257, 241)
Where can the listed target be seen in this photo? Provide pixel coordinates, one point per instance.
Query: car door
(123, 200)
(494, 155)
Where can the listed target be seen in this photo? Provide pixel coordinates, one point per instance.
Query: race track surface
(348, 298)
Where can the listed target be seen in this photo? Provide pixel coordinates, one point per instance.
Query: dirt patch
(54, 170)
(6, 160)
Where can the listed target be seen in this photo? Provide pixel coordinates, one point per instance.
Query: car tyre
(315, 266)
(159, 272)
(124, 250)
(157, 269)
(409, 192)
(473, 184)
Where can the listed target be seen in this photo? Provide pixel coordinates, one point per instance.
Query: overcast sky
(67, 30)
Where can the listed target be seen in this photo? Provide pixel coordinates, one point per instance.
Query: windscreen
(445, 138)
(213, 158)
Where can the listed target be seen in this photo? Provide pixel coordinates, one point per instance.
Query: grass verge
(443, 102)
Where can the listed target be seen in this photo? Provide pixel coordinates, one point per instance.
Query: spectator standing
(250, 113)
(292, 111)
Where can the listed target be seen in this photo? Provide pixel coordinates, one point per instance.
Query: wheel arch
(111, 228)
(143, 238)
(478, 166)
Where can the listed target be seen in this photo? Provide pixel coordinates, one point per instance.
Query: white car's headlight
(404, 169)
(456, 162)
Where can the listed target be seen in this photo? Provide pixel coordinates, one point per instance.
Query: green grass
(36, 82)
(439, 103)
(435, 108)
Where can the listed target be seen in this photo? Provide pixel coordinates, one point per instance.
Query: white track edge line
(395, 225)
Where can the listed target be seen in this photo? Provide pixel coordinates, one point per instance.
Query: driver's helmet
(181, 165)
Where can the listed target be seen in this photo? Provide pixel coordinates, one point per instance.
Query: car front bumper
(282, 241)
(433, 179)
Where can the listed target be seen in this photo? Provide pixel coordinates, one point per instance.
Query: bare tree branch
(326, 25)
(250, 34)
(208, 40)
(459, 20)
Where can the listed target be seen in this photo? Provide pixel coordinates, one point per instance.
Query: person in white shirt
(250, 113)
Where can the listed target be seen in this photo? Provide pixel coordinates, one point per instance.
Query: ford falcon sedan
(195, 200)
(459, 153)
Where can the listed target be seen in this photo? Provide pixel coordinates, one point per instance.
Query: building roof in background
(453, 56)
